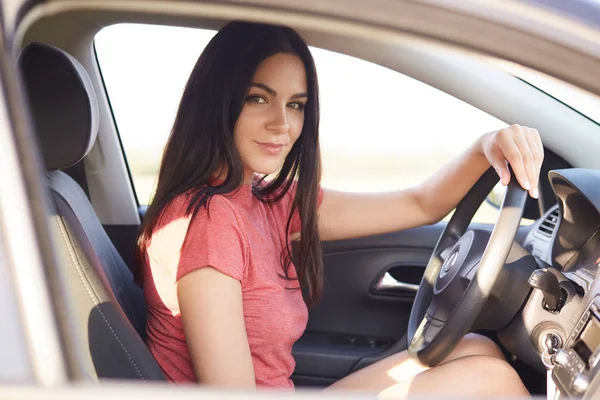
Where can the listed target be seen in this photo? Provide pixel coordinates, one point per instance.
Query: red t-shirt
(242, 237)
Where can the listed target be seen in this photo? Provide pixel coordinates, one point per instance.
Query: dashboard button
(580, 383)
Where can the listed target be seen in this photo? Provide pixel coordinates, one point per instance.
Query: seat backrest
(110, 308)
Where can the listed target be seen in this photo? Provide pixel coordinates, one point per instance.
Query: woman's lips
(271, 148)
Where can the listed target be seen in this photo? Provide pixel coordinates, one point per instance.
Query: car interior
(549, 299)
(107, 302)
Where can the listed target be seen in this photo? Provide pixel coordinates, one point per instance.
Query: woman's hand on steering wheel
(519, 146)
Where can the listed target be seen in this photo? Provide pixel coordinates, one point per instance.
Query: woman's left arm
(344, 215)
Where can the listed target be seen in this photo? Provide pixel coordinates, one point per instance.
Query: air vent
(548, 225)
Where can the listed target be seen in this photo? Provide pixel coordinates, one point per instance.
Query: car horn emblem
(448, 264)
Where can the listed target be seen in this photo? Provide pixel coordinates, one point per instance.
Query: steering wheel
(461, 272)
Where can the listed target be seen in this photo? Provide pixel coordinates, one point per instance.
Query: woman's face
(272, 116)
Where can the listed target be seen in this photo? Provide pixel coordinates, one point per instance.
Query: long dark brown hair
(201, 141)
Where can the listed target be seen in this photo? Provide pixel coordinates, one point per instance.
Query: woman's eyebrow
(300, 95)
(264, 87)
(273, 92)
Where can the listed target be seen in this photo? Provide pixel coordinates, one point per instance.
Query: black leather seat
(110, 309)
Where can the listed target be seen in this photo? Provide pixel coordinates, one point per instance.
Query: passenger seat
(110, 309)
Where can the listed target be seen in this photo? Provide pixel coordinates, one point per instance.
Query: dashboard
(566, 245)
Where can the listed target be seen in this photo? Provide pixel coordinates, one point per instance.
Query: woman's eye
(255, 99)
(297, 106)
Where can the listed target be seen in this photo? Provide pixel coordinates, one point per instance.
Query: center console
(576, 370)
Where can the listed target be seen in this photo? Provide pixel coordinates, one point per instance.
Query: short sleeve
(295, 225)
(215, 238)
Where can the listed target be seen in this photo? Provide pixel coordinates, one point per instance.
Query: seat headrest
(63, 104)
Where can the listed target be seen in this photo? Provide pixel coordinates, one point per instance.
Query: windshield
(580, 100)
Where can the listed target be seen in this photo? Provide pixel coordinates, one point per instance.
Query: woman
(214, 253)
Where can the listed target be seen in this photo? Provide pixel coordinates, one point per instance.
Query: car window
(380, 130)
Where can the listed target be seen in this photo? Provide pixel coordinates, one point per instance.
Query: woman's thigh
(470, 376)
(398, 367)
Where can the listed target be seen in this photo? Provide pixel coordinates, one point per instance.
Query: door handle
(388, 285)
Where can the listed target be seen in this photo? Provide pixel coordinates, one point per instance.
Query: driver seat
(109, 308)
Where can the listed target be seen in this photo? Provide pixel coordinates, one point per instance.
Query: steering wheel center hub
(454, 262)
(449, 264)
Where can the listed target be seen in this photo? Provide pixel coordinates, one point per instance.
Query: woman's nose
(278, 122)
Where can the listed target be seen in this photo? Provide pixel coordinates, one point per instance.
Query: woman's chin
(266, 169)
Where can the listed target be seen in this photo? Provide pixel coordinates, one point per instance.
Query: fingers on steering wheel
(513, 155)
(535, 144)
(528, 161)
(503, 172)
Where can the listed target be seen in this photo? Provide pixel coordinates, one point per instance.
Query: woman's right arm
(212, 314)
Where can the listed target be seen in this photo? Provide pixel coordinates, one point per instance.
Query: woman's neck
(221, 175)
